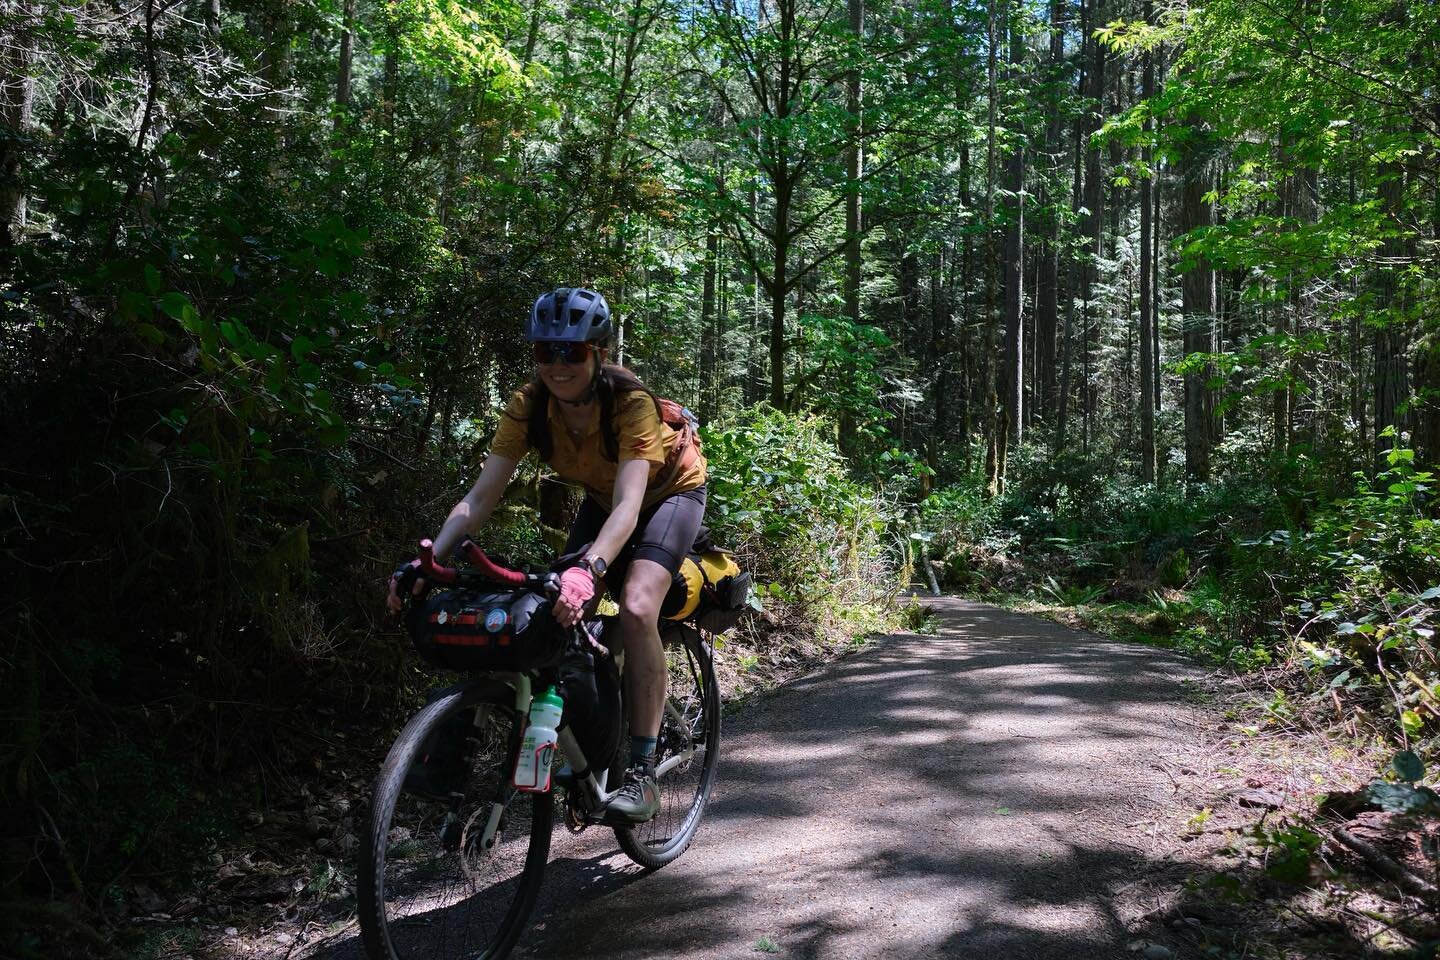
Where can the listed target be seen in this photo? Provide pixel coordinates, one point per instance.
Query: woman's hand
(406, 578)
(577, 587)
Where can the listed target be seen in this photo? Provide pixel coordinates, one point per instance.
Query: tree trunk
(1391, 340)
(704, 406)
(1048, 281)
(940, 393)
(1147, 294)
(1092, 225)
(347, 59)
(1073, 266)
(1015, 264)
(996, 429)
(1198, 321)
(854, 161)
(17, 99)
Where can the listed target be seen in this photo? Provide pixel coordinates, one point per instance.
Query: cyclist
(595, 424)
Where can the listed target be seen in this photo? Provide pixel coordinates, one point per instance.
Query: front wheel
(453, 873)
(686, 752)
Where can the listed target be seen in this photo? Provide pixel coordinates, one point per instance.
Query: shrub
(781, 497)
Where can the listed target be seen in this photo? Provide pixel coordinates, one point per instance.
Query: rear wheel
(686, 753)
(454, 876)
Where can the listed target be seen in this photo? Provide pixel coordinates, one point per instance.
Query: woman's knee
(643, 594)
(638, 608)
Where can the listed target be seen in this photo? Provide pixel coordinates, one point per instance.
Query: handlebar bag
(474, 630)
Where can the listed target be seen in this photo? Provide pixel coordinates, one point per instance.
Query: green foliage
(1289, 850)
(1069, 596)
(780, 495)
(917, 617)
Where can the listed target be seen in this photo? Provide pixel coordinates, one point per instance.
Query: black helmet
(569, 315)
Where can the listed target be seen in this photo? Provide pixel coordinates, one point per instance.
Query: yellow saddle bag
(709, 588)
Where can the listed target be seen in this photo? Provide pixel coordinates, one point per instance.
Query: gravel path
(974, 793)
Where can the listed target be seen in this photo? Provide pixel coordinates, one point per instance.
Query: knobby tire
(422, 897)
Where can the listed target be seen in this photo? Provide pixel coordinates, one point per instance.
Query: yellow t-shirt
(640, 434)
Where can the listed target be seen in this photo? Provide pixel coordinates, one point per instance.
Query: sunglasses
(562, 352)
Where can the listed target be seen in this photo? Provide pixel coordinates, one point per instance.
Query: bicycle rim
(686, 755)
(429, 888)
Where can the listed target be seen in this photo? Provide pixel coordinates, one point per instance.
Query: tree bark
(1198, 323)
(704, 406)
(17, 99)
(1015, 263)
(1147, 295)
(1048, 280)
(854, 162)
(996, 430)
(347, 59)
(1391, 340)
(1092, 224)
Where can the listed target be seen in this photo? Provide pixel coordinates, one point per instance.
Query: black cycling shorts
(663, 533)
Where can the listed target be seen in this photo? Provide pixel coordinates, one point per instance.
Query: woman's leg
(665, 537)
(646, 584)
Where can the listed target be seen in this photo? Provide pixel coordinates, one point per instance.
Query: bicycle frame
(593, 785)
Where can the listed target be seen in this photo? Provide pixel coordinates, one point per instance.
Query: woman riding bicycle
(595, 424)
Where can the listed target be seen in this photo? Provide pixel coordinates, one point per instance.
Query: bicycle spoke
(452, 870)
(685, 760)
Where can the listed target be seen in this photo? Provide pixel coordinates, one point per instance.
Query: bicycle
(451, 864)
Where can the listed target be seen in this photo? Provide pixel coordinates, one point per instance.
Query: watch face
(598, 566)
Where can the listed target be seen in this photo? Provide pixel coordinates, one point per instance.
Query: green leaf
(150, 333)
(1411, 721)
(135, 305)
(175, 304)
(301, 346)
(334, 434)
(1402, 797)
(153, 281)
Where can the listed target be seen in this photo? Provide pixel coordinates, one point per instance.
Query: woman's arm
(477, 505)
(630, 482)
(467, 516)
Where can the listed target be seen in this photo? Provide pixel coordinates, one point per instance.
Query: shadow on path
(963, 795)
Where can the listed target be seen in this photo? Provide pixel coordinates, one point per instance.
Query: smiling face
(570, 381)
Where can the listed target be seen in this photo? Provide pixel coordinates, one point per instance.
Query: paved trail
(972, 794)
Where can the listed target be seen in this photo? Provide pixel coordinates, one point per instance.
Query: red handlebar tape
(489, 567)
(476, 556)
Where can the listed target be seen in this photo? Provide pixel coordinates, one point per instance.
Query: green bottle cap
(551, 697)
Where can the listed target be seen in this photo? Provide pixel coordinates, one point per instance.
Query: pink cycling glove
(577, 586)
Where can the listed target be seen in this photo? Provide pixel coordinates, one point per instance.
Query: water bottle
(537, 747)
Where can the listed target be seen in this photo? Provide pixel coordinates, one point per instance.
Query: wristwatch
(595, 564)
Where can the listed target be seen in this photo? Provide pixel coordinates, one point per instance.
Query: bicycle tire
(691, 722)
(426, 889)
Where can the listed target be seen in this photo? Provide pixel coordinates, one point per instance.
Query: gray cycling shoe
(639, 797)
